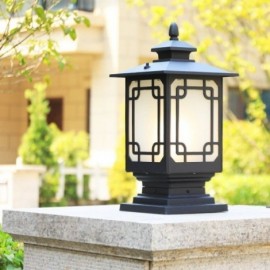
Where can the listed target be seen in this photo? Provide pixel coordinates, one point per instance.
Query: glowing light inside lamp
(146, 118)
(194, 120)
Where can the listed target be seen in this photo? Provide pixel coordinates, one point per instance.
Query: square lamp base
(174, 194)
(172, 210)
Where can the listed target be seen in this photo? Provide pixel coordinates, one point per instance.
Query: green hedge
(11, 253)
(246, 148)
(240, 189)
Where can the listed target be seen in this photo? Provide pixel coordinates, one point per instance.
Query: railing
(12, 178)
(80, 171)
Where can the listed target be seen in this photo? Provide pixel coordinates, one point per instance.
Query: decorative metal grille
(194, 120)
(145, 132)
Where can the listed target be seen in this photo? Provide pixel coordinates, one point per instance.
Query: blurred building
(83, 97)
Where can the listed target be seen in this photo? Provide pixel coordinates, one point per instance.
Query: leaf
(72, 33)
(40, 12)
(78, 20)
(86, 22)
(14, 31)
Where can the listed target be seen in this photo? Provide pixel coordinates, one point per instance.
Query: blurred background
(62, 117)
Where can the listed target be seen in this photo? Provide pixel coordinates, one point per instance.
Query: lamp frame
(171, 187)
(167, 164)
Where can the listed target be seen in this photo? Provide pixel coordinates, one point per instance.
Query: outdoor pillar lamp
(174, 130)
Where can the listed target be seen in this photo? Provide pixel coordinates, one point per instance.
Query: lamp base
(174, 194)
(173, 210)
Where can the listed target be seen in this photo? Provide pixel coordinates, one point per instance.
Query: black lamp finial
(173, 31)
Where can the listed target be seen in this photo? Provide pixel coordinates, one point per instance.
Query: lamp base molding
(174, 194)
(173, 210)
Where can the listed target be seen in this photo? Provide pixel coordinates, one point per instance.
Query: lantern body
(174, 124)
(174, 130)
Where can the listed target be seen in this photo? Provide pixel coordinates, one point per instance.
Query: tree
(36, 142)
(236, 37)
(26, 40)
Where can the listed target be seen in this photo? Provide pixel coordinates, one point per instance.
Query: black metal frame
(131, 98)
(204, 166)
(171, 187)
(167, 165)
(177, 99)
(173, 194)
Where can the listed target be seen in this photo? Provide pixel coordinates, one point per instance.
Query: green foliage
(70, 189)
(49, 189)
(26, 22)
(11, 253)
(246, 148)
(240, 189)
(122, 185)
(231, 31)
(71, 147)
(36, 142)
(246, 175)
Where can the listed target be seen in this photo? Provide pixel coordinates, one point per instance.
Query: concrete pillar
(19, 186)
(102, 237)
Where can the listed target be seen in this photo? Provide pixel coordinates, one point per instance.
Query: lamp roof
(173, 58)
(173, 67)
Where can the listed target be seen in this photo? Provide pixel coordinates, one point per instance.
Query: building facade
(83, 97)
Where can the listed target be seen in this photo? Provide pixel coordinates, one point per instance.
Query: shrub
(246, 174)
(49, 189)
(240, 189)
(72, 148)
(246, 148)
(11, 253)
(36, 142)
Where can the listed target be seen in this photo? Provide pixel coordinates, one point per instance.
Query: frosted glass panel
(146, 121)
(194, 120)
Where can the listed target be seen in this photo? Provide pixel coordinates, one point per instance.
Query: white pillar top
(107, 226)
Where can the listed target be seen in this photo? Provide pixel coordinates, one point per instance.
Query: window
(85, 5)
(56, 112)
(266, 99)
(236, 103)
